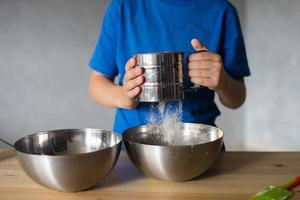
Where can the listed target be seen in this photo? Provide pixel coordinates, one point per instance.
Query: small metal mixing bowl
(180, 162)
(68, 160)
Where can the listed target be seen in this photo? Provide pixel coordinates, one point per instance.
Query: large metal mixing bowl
(68, 160)
(181, 162)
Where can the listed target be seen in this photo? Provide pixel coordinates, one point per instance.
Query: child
(137, 26)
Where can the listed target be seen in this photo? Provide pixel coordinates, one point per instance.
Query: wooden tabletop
(235, 176)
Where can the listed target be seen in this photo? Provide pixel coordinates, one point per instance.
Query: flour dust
(165, 124)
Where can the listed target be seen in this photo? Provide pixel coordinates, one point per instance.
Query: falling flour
(164, 121)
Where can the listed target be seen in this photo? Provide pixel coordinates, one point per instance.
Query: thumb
(197, 45)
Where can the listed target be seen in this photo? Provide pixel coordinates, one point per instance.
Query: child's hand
(206, 68)
(133, 79)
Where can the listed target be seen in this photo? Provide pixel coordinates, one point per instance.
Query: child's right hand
(133, 79)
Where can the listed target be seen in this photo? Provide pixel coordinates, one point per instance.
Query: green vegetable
(272, 193)
(278, 193)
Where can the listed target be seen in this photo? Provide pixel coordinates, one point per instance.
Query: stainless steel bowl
(181, 162)
(68, 160)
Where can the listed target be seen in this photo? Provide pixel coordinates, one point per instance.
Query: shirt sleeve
(233, 47)
(103, 59)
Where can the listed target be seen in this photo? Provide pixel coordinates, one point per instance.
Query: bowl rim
(67, 130)
(220, 131)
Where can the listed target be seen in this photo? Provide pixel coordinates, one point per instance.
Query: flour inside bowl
(164, 121)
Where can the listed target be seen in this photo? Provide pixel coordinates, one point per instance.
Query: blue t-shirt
(136, 26)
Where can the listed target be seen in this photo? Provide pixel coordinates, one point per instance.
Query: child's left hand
(206, 68)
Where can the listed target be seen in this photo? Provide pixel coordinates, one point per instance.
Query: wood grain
(235, 176)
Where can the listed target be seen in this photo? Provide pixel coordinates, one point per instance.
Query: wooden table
(235, 176)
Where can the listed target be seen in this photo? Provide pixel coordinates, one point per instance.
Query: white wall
(269, 120)
(45, 46)
(273, 110)
(44, 50)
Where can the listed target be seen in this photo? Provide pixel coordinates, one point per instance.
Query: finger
(134, 92)
(210, 83)
(131, 84)
(200, 74)
(206, 82)
(197, 45)
(205, 56)
(130, 64)
(133, 73)
(203, 64)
